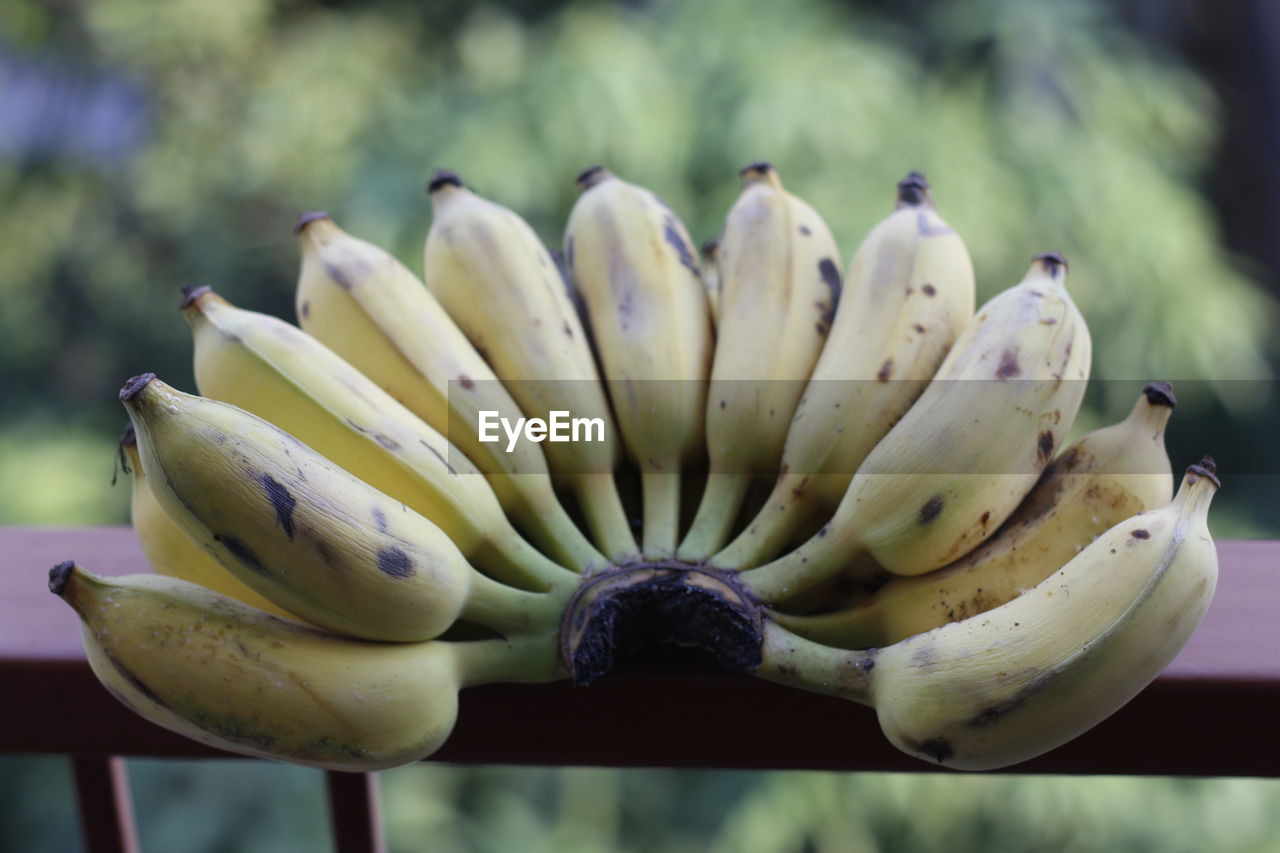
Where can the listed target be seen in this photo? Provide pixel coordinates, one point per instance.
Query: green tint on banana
(1098, 481)
(227, 675)
(361, 302)
(964, 456)
(306, 534)
(169, 549)
(778, 270)
(632, 261)
(907, 297)
(283, 375)
(1028, 676)
(501, 286)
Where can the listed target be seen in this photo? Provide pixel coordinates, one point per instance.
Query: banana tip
(306, 218)
(1054, 263)
(191, 294)
(591, 176)
(1160, 394)
(441, 178)
(60, 575)
(710, 246)
(759, 167)
(1208, 469)
(134, 386)
(913, 190)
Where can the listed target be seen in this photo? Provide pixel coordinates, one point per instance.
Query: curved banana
(963, 457)
(1098, 481)
(168, 548)
(306, 534)
(283, 375)
(630, 259)
(1022, 679)
(907, 297)
(779, 278)
(220, 672)
(711, 276)
(498, 282)
(365, 305)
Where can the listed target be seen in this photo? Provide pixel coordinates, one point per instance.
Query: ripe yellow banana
(779, 278)
(711, 276)
(1098, 481)
(170, 551)
(963, 457)
(1017, 681)
(631, 260)
(500, 284)
(283, 375)
(907, 297)
(227, 675)
(306, 534)
(361, 302)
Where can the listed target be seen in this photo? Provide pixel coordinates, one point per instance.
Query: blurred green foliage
(1042, 125)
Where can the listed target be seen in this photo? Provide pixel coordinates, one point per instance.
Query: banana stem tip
(307, 217)
(60, 575)
(1208, 469)
(441, 178)
(591, 176)
(913, 190)
(134, 386)
(191, 294)
(1161, 394)
(1054, 263)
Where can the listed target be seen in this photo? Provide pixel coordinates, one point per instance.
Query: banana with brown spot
(168, 548)
(365, 305)
(1098, 481)
(907, 297)
(967, 452)
(501, 286)
(1022, 679)
(306, 534)
(224, 674)
(779, 278)
(631, 260)
(283, 375)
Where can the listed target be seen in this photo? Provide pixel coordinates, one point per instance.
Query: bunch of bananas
(887, 511)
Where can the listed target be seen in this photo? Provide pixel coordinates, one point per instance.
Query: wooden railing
(1213, 711)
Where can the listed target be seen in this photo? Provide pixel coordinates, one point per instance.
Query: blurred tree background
(148, 145)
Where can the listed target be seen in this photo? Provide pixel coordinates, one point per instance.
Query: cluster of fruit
(887, 513)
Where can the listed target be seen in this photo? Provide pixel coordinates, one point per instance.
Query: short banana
(963, 457)
(907, 297)
(630, 259)
(779, 278)
(1022, 679)
(1098, 481)
(168, 548)
(499, 283)
(307, 535)
(364, 304)
(283, 375)
(232, 677)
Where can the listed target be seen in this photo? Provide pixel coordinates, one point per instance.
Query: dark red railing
(1212, 713)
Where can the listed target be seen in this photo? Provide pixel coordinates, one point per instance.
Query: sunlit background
(148, 145)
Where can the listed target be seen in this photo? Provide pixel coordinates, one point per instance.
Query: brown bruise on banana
(830, 275)
(395, 562)
(282, 501)
(931, 509)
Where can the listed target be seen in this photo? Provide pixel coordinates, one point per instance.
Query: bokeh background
(148, 145)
